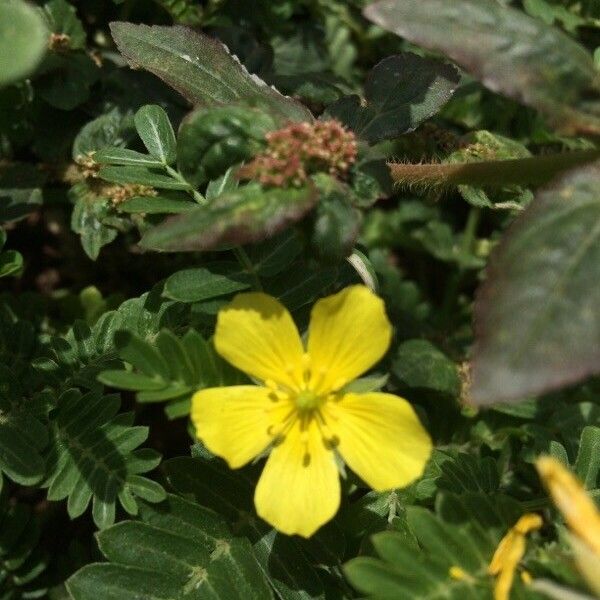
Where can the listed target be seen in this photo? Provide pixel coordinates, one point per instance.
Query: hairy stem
(496, 173)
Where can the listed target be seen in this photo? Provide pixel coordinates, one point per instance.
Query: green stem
(535, 170)
(455, 279)
(246, 263)
(470, 231)
(196, 195)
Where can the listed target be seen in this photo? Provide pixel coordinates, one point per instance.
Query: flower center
(307, 401)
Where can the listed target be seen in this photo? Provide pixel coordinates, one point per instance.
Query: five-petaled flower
(301, 410)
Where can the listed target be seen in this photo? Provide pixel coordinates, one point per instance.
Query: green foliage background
(125, 229)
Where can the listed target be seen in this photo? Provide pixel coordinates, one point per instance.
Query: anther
(306, 460)
(332, 442)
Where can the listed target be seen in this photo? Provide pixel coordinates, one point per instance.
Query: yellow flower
(300, 411)
(509, 553)
(580, 513)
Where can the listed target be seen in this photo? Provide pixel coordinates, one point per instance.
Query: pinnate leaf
(416, 563)
(177, 550)
(94, 457)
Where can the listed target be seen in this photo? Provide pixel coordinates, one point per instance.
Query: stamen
(317, 379)
(306, 361)
(272, 385)
(330, 439)
(331, 443)
(306, 460)
(279, 430)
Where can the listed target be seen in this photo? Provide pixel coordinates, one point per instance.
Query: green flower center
(307, 401)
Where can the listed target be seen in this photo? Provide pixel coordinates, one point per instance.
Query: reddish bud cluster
(301, 149)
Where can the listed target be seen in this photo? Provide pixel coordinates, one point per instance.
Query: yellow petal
(299, 489)
(232, 422)
(511, 548)
(578, 509)
(380, 438)
(348, 333)
(256, 334)
(588, 564)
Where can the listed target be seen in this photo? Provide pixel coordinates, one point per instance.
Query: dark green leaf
(211, 140)
(93, 455)
(587, 464)
(401, 92)
(111, 129)
(464, 534)
(11, 263)
(155, 129)
(337, 223)
(419, 364)
(123, 156)
(23, 436)
(130, 381)
(87, 220)
(141, 176)
(168, 369)
(507, 50)
(211, 483)
(275, 255)
(246, 215)
(62, 19)
(156, 205)
(195, 285)
(22, 558)
(20, 190)
(179, 550)
(200, 68)
(141, 355)
(64, 81)
(537, 321)
(227, 182)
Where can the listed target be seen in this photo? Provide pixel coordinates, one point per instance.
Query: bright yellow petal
(349, 332)
(578, 509)
(299, 489)
(256, 334)
(380, 438)
(232, 422)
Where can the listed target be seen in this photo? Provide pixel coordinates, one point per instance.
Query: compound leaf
(177, 550)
